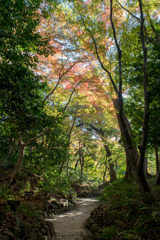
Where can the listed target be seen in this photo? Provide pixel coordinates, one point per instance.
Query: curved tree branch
(128, 11)
(119, 58)
(97, 53)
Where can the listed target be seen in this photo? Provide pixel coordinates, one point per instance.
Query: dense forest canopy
(80, 89)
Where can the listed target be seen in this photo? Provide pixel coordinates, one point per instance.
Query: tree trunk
(81, 160)
(82, 166)
(157, 166)
(145, 164)
(68, 163)
(19, 162)
(112, 172)
(132, 156)
(157, 159)
(158, 178)
(61, 167)
(128, 168)
(76, 164)
(104, 174)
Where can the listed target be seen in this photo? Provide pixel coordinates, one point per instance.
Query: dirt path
(70, 225)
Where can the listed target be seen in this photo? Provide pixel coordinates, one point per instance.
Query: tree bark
(128, 167)
(61, 167)
(158, 178)
(112, 172)
(68, 162)
(19, 162)
(104, 174)
(145, 187)
(82, 166)
(131, 151)
(157, 166)
(76, 164)
(81, 160)
(157, 158)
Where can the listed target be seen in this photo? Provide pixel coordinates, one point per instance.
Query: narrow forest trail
(70, 225)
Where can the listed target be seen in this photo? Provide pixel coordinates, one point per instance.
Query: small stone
(51, 228)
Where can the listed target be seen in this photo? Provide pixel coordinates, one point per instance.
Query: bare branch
(119, 57)
(60, 78)
(128, 11)
(96, 51)
(47, 129)
(146, 93)
(38, 136)
(69, 99)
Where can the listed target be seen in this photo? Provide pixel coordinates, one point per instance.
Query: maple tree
(101, 31)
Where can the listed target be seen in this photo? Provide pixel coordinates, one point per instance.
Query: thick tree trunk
(130, 149)
(157, 166)
(112, 172)
(128, 168)
(158, 178)
(146, 165)
(157, 158)
(137, 168)
(19, 162)
(104, 174)
(136, 163)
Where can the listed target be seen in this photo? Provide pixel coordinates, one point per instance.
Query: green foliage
(26, 188)
(109, 232)
(21, 91)
(126, 215)
(49, 152)
(54, 182)
(6, 193)
(28, 210)
(120, 192)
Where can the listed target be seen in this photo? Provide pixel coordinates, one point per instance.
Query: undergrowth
(124, 214)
